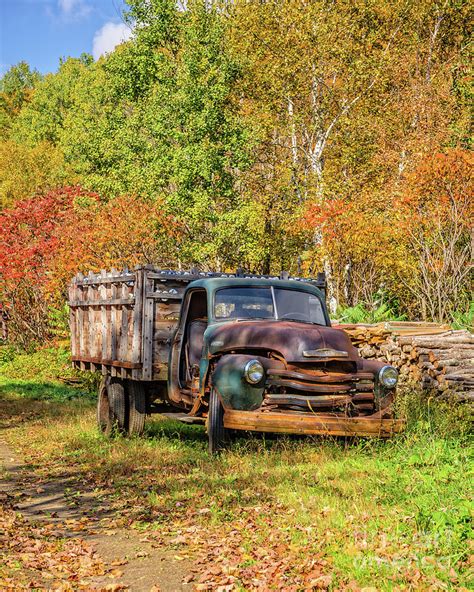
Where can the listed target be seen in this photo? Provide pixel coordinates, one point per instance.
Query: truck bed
(121, 322)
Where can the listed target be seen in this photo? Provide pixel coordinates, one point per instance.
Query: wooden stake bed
(304, 423)
(122, 322)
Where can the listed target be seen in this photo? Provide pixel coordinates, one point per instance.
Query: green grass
(44, 374)
(392, 514)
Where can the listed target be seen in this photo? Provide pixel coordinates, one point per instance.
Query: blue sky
(40, 32)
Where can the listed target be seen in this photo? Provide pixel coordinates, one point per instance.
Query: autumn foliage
(46, 239)
(436, 221)
(419, 247)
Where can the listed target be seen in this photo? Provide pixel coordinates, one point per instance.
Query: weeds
(44, 372)
(428, 417)
(362, 314)
(464, 320)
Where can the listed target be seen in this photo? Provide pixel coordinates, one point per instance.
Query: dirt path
(135, 562)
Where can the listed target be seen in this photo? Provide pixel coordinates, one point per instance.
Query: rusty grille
(317, 389)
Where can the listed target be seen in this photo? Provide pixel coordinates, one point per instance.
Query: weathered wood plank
(96, 314)
(108, 325)
(164, 296)
(108, 279)
(305, 423)
(122, 349)
(100, 302)
(73, 320)
(99, 361)
(103, 317)
(167, 310)
(147, 341)
(114, 321)
(81, 318)
(89, 321)
(137, 318)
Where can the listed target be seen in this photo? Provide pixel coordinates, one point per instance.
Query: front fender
(234, 390)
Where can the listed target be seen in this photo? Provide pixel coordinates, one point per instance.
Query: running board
(184, 418)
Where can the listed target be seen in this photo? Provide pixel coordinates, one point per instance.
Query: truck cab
(236, 351)
(260, 354)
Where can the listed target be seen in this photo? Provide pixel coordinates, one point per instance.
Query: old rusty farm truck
(238, 351)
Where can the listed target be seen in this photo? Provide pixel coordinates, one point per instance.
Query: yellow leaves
(27, 170)
(115, 573)
(118, 562)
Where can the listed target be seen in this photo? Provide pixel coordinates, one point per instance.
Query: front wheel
(217, 434)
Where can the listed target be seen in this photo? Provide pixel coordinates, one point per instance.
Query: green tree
(212, 145)
(42, 119)
(16, 87)
(156, 118)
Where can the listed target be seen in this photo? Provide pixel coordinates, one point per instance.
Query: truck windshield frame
(268, 303)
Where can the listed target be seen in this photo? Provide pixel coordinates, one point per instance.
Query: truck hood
(296, 342)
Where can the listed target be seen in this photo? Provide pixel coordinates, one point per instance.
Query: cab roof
(216, 283)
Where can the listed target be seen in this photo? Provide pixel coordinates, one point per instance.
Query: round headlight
(253, 371)
(388, 376)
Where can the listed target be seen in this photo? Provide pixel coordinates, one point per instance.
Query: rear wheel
(112, 406)
(104, 418)
(217, 434)
(118, 404)
(137, 407)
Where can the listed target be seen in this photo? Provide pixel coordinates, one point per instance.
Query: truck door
(186, 348)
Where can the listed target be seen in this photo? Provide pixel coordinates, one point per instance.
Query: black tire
(137, 407)
(217, 434)
(104, 416)
(118, 404)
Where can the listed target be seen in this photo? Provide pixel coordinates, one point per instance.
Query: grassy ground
(283, 513)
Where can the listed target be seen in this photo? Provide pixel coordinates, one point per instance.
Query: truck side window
(197, 306)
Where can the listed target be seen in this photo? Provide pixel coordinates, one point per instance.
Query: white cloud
(108, 37)
(67, 5)
(74, 9)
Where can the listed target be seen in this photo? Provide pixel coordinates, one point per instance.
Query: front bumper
(308, 423)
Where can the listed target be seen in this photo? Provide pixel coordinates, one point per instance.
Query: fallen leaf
(119, 562)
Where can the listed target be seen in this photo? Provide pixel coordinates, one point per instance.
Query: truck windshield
(268, 303)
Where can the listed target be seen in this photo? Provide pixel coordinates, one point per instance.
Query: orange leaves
(125, 231)
(440, 182)
(35, 556)
(238, 558)
(328, 213)
(46, 239)
(355, 226)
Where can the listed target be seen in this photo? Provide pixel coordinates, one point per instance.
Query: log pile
(427, 354)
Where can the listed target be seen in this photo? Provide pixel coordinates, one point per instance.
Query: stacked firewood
(425, 353)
